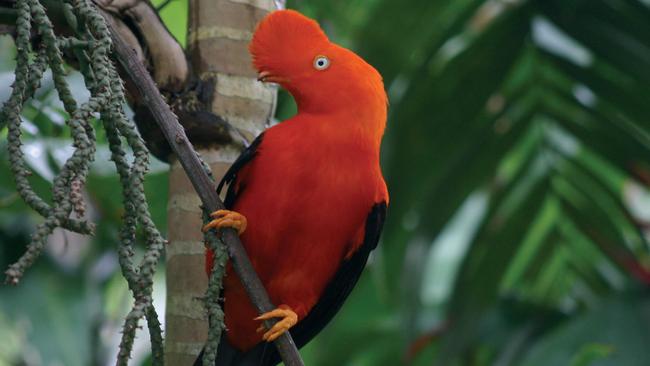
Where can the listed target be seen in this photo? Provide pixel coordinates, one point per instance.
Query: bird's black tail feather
(263, 354)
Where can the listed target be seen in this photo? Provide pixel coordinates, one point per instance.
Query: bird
(307, 197)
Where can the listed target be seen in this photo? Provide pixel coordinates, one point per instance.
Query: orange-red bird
(308, 196)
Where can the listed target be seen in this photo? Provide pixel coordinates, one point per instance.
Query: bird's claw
(289, 319)
(227, 218)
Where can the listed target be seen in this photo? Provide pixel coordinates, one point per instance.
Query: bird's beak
(268, 77)
(263, 75)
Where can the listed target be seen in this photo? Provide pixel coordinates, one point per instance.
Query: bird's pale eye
(321, 63)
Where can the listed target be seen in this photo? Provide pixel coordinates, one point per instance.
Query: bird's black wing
(336, 291)
(231, 175)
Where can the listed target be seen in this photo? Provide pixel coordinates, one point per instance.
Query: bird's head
(292, 50)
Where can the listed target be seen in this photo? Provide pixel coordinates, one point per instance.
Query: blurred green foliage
(518, 161)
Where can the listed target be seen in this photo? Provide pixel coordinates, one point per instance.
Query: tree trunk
(218, 37)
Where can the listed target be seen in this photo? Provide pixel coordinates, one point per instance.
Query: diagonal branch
(204, 187)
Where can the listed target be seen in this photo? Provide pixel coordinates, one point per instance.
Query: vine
(37, 49)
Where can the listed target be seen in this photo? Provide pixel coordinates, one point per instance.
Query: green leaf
(612, 332)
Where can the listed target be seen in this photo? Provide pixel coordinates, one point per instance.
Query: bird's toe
(227, 218)
(288, 319)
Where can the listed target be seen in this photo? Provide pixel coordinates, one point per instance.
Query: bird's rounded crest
(284, 34)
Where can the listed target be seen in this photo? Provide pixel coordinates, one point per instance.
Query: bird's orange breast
(306, 197)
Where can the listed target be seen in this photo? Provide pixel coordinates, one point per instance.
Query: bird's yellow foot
(289, 319)
(227, 218)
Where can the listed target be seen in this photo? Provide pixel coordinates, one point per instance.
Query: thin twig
(205, 188)
(163, 5)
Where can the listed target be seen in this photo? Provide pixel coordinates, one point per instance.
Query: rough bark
(137, 23)
(165, 54)
(219, 32)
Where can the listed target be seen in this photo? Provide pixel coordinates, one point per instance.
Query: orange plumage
(311, 187)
